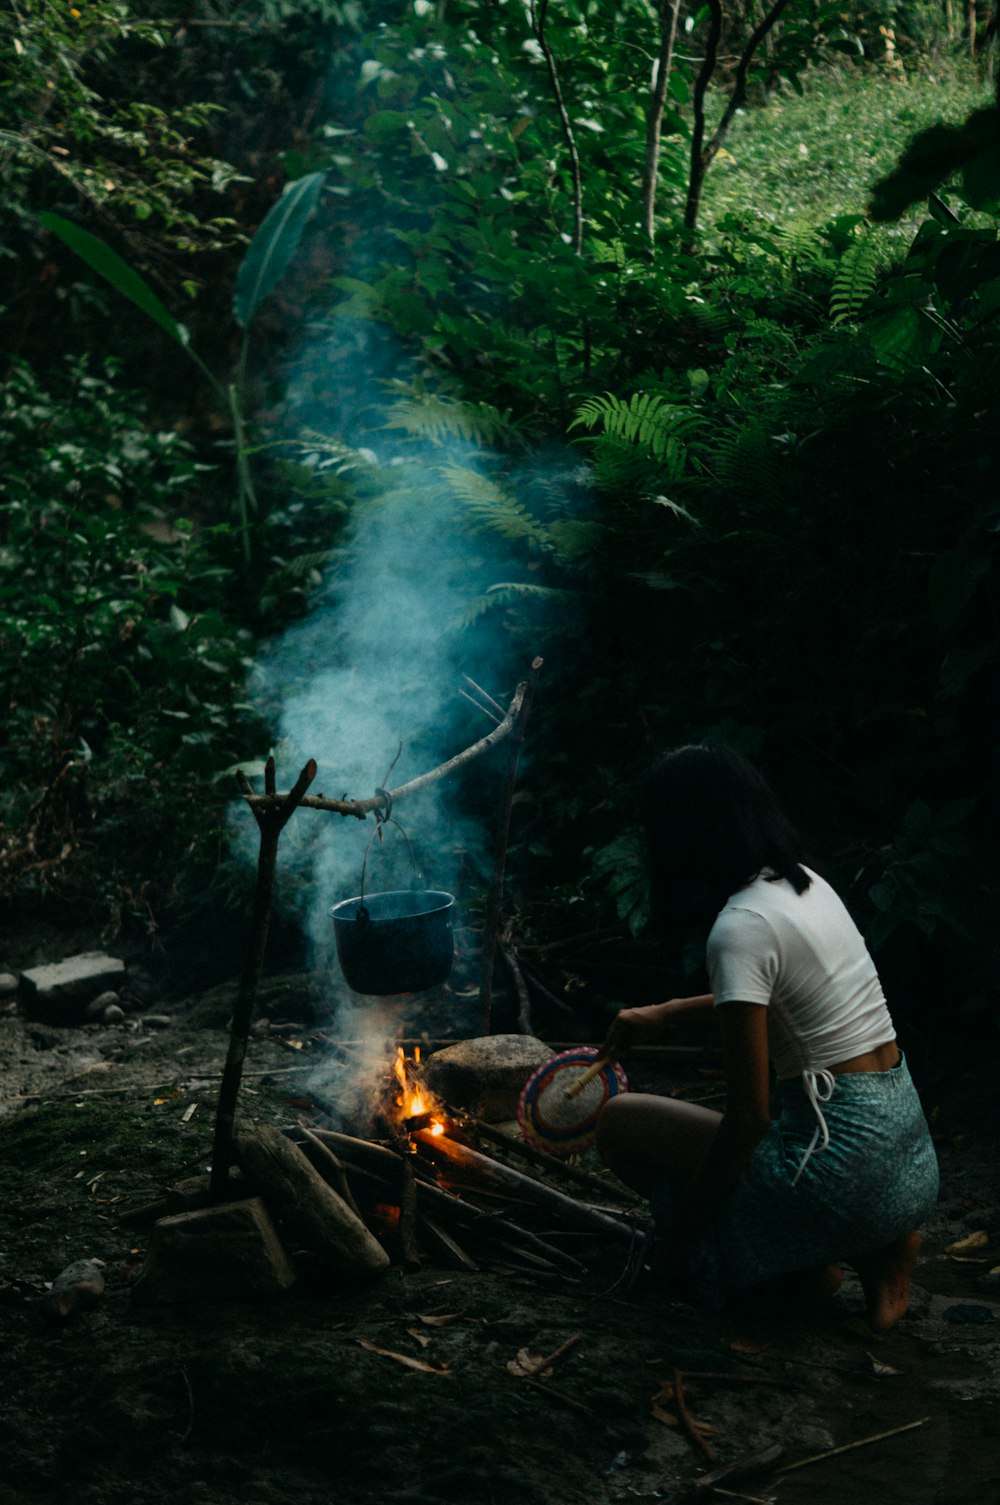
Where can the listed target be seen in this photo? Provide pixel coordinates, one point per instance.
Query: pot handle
(383, 818)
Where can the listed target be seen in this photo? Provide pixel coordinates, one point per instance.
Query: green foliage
(440, 419)
(916, 884)
(267, 260)
(127, 158)
(648, 420)
(620, 868)
(109, 265)
(491, 506)
(274, 245)
(855, 280)
(119, 676)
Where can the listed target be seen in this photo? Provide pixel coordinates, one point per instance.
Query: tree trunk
(669, 12)
(702, 154)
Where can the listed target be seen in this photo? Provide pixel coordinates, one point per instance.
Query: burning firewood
(576, 1214)
(441, 1206)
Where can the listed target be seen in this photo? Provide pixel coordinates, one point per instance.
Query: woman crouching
(846, 1170)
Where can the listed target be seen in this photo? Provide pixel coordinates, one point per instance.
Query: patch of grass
(804, 159)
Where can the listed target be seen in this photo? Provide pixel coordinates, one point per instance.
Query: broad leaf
(111, 267)
(274, 245)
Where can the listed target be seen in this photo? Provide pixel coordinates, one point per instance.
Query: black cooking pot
(396, 942)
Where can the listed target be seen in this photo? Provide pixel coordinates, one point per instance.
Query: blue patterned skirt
(876, 1180)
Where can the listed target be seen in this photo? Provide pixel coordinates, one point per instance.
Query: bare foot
(885, 1280)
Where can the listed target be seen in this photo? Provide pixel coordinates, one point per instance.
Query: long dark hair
(712, 825)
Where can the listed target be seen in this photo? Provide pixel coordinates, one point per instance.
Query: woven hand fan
(558, 1110)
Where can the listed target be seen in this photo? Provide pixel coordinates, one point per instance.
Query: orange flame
(413, 1099)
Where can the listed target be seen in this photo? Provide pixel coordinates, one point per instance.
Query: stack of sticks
(445, 1199)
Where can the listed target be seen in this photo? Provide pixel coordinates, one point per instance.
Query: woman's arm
(747, 1116)
(644, 1026)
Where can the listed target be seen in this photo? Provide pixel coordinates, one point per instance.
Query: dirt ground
(263, 1403)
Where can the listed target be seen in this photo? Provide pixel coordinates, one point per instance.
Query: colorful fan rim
(574, 1131)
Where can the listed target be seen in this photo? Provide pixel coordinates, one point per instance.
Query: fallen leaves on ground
(963, 1247)
(423, 1366)
(527, 1362)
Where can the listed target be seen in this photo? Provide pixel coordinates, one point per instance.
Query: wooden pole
(494, 901)
(271, 822)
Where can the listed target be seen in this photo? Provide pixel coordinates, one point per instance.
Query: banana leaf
(274, 245)
(109, 265)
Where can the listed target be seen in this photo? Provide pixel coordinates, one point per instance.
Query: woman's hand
(633, 1027)
(644, 1026)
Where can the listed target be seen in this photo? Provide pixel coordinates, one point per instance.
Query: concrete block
(60, 991)
(226, 1253)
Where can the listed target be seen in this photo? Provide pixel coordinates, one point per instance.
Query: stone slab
(60, 991)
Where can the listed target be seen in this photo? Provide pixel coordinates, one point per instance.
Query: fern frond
(439, 419)
(620, 467)
(302, 566)
(509, 593)
(320, 452)
(655, 426)
(612, 253)
(492, 507)
(854, 283)
(745, 462)
(802, 244)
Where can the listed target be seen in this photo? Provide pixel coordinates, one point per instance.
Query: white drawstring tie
(819, 1086)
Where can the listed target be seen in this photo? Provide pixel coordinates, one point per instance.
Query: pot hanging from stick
(399, 941)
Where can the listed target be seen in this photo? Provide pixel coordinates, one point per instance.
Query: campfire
(417, 1107)
(440, 1187)
(423, 1180)
(413, 1181)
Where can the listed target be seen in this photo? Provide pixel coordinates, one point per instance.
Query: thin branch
(702, 155)
(539, 9)
(485, 709)
(698, 109)
(524, 1024)
(849, 1447)
(688, 1422)
(361, 808)
(484, 693)
(494, 898)
(738, 97)
(669, 12)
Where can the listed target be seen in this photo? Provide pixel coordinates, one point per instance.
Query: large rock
(60, 991)
(225, 1253)
(487, 1076)
(80, 1285)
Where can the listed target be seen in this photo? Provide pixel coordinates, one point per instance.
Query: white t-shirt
(803, 956)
